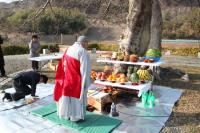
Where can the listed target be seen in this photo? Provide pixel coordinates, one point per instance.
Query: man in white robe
(72, 81)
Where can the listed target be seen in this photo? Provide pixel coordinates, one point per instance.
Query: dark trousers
(35, 65)
(21, 90)
(2, 70)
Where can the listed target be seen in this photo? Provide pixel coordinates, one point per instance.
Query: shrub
(69, 21)
(15, 50)
(104, 47)
(24, 49)
(93, 45)
(52, 48)
(183, 51)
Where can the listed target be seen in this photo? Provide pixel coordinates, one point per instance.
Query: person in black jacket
(2, 70)
(21, 83)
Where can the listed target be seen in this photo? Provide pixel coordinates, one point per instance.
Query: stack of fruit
(135, 77)
(101, 76)
(132, 75)
(133, 58)
(93, 75)
(105, 56)
(120, 56)
(121, 79)
(144, 74)
(112, 78)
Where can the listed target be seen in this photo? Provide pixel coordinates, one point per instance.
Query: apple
(99, 76)
(122, 76)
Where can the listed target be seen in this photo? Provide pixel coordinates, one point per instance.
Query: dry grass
(185, 117)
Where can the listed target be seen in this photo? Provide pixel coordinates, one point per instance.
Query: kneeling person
(21, 83)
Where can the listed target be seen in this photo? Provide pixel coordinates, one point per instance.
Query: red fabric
(68, 82)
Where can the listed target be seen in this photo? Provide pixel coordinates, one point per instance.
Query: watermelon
(134, 77)
(153, 53)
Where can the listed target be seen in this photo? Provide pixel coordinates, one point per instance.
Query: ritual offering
(93, 75)
(108, 70)
(122, 79)
(133, 58)
(148, 60)
(126, 72)
(114, 56)
(126, 58)
(120, 57)
(153, 54)
(112, 78)
(106, 56)
(101, 76)
(144, 74)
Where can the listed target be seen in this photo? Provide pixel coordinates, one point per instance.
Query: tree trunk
(144, 26)
(156, 26)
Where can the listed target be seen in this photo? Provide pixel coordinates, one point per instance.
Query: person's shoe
(73, 119)
(3, 76)
(7, 96)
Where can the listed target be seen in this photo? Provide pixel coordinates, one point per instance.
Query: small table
(47, 57)
(56, 56)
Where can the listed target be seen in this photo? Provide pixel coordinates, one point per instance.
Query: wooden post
(61, 39)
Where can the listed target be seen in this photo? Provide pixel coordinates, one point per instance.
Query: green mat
(44, 111)
(93, 123)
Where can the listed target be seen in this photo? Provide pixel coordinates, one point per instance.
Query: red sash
(68, 78)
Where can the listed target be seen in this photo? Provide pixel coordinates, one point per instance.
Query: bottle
(113, 110)
(151, 100)
(144, 98)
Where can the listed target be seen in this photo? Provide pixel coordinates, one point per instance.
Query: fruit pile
(152, 55)
(134, 75)
(93, 75)
(121, 78)
(112, 78)
(101, 76)
(144, 74)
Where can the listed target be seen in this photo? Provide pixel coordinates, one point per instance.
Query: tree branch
(107, 9)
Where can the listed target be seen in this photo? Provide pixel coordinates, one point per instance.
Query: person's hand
(35, 97)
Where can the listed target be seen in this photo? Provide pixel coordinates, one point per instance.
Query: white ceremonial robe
(70, 107)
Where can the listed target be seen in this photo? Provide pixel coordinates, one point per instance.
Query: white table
(130, 63)
(47, 57)
(55, 56)
(141, 87)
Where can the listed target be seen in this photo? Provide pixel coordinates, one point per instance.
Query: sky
(7, 1)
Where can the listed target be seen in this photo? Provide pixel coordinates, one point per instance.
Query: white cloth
(69, 107)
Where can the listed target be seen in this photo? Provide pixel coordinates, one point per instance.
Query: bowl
(156, 59)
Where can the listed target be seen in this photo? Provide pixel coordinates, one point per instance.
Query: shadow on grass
(175, 82)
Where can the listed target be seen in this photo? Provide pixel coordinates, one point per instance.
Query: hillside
(175, 12)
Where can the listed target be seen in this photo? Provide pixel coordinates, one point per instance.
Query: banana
(144, 74)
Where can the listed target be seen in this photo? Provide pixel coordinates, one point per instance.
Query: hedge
(183, 51)
(24, 49)
(104, 47)
(179, 51)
